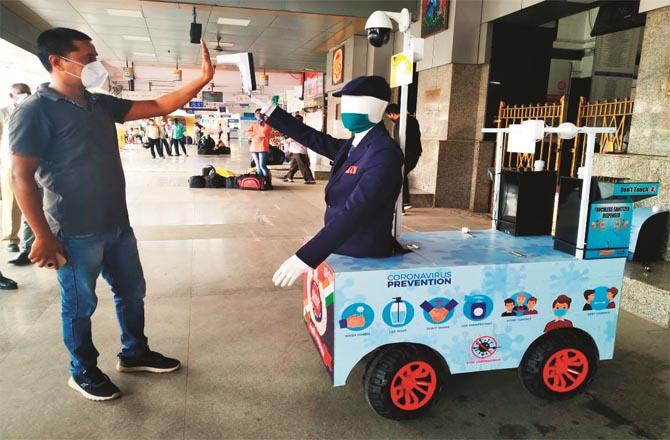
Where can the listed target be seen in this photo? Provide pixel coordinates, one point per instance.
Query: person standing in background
(299, 160)
(11, 213)
(165, 134)
(198, 133)
(155, 141)
(27, 240)
(413, 148)
(224, 131)
(259, 138)
(178, 134)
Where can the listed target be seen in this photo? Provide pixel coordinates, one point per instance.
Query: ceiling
(157, 32)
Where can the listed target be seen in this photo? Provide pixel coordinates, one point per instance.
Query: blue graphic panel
(481, 315)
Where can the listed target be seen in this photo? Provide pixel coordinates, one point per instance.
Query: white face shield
(368, 105)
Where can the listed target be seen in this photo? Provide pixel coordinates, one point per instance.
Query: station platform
(249, 368)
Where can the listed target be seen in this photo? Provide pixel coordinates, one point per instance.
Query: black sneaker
(7, 284)
(21, 260)
(13, 247)
(151, 362)
(94, 385)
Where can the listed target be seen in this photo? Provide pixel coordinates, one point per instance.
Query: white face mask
(93, 75)
(21, 97)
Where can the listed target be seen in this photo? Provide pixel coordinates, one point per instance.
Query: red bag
(252, 182)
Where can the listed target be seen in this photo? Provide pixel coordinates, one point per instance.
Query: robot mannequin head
(364, 100)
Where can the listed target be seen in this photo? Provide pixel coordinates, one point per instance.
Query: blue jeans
(115, 255)
(261, 160)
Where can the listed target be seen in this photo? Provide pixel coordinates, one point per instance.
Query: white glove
(289, 271)
(266, 105)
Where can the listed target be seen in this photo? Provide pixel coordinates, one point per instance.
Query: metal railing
(548, 149)
(615, 114)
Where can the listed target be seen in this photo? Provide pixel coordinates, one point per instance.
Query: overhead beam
(19, 25)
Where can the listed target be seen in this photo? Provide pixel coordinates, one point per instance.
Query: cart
(465, 302)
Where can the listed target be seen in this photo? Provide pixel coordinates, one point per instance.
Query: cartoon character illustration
(532, 302)
(509, 308)
(520, 308)
(315, 296)
(561, 305)
(588, 297)
(611, 293)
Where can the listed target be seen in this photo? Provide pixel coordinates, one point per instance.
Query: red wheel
(404, 381)
(565, 370)
(559, 364)
(413, 386)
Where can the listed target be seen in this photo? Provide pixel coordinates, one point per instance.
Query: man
(11, 213)
(27, 240)
(560, 306)
(67, 136)
(589, 294)
(178, 137)
(611, 294)
(165, 135)
(364, 182)
(155, 141)
(509, 308)
(413, 148)
(299, 160)
(206, 145)
(532, 302)
(520, 308)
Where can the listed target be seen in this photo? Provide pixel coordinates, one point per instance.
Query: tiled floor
(250, 370)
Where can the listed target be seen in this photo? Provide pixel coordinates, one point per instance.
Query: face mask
(21, 97)
(93, 75)
(356, 122)
(560, 312)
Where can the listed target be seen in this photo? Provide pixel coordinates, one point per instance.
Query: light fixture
(216, 43)
(264, 78)
(144, 54)
(234, 21)
(124, 13)
(176, 72)
(135, 38)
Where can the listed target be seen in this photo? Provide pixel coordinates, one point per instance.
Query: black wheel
(403, 381)
(558, 365)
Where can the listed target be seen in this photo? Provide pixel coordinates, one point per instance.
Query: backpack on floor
(209, 169)
(252, 182)
(215, 180)
(231, 182)
(196, 182)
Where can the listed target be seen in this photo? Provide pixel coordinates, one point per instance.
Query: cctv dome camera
(379, 28)
(379, 36)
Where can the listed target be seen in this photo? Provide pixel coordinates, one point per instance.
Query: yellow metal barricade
(548, 149)
(616, 113)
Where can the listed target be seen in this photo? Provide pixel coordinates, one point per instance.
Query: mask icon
(560, 312)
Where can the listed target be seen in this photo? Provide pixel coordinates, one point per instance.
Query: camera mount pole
(403, 20)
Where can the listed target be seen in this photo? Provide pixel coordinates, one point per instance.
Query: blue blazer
(361, 193)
